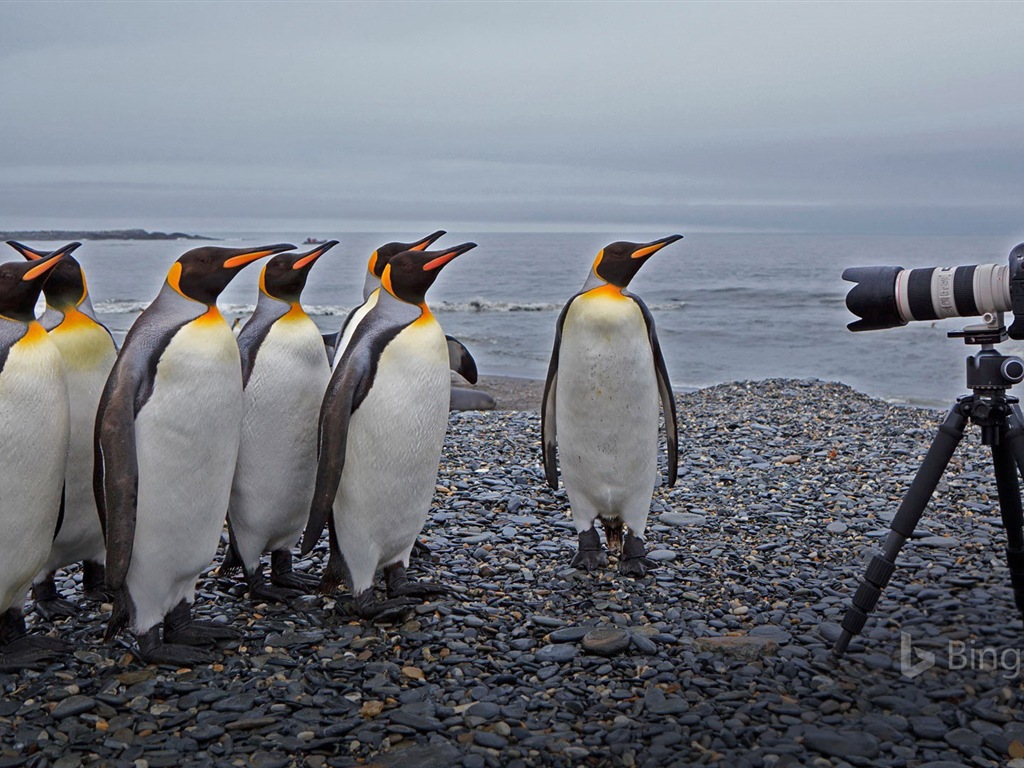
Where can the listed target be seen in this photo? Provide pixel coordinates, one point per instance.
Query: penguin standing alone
(601, 400)
(382, 427)
(88, 352)
(284, 375)
(34, 423)
(167, 435)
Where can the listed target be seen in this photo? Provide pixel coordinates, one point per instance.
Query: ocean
(728, 307)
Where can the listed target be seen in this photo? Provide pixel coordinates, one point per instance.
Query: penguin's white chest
(394, 444)
(34, 424)
(276, 470)
(606, 408)
(187, 437)
(357, 317)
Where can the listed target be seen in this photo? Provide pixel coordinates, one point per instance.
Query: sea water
(728, 307)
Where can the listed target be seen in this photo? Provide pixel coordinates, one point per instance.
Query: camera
(889, 297)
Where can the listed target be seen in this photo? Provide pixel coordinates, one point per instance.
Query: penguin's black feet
(49, 604)
(94, 577)
(153, 651)
(398, 585)
(590, 555)
(180, 628)
(634, 561)
(20, 650)
(612, 534)
(260, 590)
(282, 575)
(382, 612)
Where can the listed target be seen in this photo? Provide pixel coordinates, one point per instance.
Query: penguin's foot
(153, 651)
(60, 608)
(398, 585)
(282, 575)
(94, 582)
(180, 628)
(38, 644)
(634, 561)
(590, 555)
(16, 660)
(260, 590)
(612, 534)
(49, 604)
(382, 612)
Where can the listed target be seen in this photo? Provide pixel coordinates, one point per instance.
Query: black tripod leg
(1005, 455)
(882, 565)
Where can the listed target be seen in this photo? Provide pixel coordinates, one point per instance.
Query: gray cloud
(823, 117)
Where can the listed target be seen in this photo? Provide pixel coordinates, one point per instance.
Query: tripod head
(989, 371)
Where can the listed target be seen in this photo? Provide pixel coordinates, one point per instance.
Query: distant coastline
(106, 234)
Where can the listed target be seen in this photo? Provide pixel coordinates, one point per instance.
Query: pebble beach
(720, 656)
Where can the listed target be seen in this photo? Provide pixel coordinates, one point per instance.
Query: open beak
(652, 248)
(313, 255)
(245, 256)
(444, 258)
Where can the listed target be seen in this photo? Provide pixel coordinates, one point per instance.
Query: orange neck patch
(606, 291)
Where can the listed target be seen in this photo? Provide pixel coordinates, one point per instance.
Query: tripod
(989, 375)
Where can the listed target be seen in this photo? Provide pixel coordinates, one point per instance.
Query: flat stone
(842, 743)
(942, 542)
(662, 555)
(741, 646)
(568, 634)
(837, 527)
(681, 519)
(606, 641)
(489, 739)
(72, 706)
(557, 654)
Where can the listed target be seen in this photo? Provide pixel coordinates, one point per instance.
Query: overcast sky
(843, 117)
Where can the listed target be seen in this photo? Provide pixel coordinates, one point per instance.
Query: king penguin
(601, 400)
(371, 283)
(88, 352)
(167, 434)
(35, 425)
(284, 375)
(382, 426)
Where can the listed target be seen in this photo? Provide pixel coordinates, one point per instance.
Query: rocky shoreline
(721, 656)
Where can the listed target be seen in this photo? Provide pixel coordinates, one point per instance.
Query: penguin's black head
(202, 273)
(65, 283)
(619, 262)
(285, 275)
(383, 255)
(409, 274)
(21, 282)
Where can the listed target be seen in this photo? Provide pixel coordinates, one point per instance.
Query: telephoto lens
(888, 297)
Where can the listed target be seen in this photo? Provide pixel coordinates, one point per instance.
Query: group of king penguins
(129, 460)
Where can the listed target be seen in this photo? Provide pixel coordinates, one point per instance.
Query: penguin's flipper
(460, 361)
(116, 471)
(668, 401)
(339, 403)
(254, 333)
(60, 512)
(547, 409)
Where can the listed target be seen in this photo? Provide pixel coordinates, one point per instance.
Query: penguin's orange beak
(657, 245)
(447, 256)
(247, 257)
(46, 263)
(426, 242)
(315, 254)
